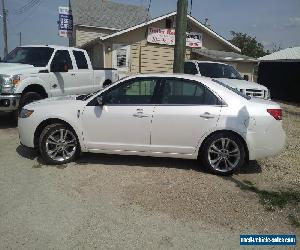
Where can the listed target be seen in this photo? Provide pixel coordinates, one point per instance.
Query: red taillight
(276, 113)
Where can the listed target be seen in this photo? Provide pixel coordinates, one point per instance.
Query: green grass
(271, 199)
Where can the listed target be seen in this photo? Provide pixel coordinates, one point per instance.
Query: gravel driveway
(129, 202)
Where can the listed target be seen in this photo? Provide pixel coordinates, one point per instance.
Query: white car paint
(161, 130)
(75, 81)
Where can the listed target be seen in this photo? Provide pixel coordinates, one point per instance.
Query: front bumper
(9, 102)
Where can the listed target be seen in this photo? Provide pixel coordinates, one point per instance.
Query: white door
(187, 111)
(62, 83)
(123, 123)
(83, 80)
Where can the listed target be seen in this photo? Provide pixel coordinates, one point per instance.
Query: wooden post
(180, 36)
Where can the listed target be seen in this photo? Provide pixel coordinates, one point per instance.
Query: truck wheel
(223, 153)
(107, 83)
(58, 144)
(26, 99)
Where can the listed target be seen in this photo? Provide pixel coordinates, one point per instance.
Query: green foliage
(248, 45)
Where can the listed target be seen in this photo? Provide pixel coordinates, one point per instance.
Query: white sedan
(164, 115)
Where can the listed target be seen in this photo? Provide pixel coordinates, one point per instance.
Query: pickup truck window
(80, 60)
(217, 70)
(62, 56)
(36, 56)
(190, 68)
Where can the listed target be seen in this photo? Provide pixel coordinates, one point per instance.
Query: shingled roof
(107, 14)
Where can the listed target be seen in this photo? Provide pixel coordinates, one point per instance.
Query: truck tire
(107, 83)
(26, 99)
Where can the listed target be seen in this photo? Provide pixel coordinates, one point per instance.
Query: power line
(29, 5)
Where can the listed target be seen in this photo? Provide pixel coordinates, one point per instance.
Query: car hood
(241, 84)
(61, 101)
(17, 68)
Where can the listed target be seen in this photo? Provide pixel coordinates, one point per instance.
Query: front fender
(29, 81)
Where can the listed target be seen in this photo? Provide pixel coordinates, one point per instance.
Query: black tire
(45, 147)
(26, 99)
(107, 83)
(229, 162)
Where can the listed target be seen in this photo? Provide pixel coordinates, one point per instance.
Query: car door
(61, 83)
(83, 78)
(122, 123)
(188, 110)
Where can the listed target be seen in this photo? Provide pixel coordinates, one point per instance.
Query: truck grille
(255, 93)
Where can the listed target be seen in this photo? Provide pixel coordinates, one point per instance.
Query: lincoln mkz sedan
(176, 115)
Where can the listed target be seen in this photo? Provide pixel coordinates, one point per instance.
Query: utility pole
(180, 36)
(20, 38)
(4, 13)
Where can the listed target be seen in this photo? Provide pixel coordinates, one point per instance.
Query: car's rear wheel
(223, 153)
(58, 144)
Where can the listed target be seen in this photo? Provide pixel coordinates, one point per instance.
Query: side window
(80, 60)
(138, 91)
(62, 56)
(190, 68)
(184, 92)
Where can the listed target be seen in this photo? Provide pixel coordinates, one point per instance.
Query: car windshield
(232, 89)
(36, 56)
(217, 70)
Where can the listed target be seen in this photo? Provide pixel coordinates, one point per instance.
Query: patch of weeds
(271, 199)
(294, 220)
(38, 165)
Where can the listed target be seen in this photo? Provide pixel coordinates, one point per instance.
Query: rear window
(232, 89)
(80, 60)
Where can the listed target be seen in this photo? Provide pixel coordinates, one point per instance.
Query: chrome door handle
(207, 115)
(140, 115)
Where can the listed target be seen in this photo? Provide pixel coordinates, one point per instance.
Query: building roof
(146, 23)
(289, 54)
(219, 55)
(107, 14)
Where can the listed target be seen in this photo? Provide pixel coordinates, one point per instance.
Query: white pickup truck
(226, 74)
(30, 73)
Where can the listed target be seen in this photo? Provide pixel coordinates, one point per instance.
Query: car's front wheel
(58, 144)
(223, 153)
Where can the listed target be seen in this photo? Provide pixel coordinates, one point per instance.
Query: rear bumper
(266, 143)
(9, 102)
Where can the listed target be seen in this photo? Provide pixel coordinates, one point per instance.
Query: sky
(272, 22)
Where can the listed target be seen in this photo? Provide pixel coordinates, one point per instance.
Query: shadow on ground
(131, 160)
(6, 121)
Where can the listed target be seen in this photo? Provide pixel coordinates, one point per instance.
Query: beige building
(149, 45)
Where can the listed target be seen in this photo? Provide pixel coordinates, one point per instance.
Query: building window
(120, 56)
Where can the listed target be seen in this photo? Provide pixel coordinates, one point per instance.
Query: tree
(248, 45)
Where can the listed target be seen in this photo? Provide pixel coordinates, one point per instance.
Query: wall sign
(167, 37)
(65, 23)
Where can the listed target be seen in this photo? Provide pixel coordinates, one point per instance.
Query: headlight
(25, 113)
(9, 82)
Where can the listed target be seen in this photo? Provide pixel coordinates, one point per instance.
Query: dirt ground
(130, 202)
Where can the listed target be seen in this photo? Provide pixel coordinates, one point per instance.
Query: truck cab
(34, 72)
(228, 75)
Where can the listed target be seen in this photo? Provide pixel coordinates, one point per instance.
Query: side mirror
(59, 67)
(100, 100)
(246, 77)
